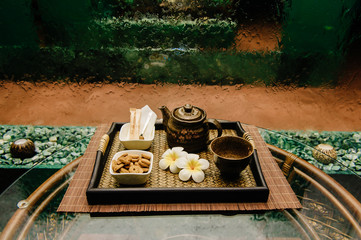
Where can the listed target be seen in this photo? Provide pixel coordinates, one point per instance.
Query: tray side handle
(249, 138)
(103, 143)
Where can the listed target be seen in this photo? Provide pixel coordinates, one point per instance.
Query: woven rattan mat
(166, 179)
(281, 195)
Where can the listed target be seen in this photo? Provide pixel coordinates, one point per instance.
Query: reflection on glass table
(345, 163)
(329, 210)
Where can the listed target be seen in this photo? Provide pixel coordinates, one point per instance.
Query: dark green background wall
(156, 41)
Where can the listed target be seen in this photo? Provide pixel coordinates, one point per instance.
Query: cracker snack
(131, 163)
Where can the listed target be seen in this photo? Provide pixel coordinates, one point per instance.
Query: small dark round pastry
(22, 148)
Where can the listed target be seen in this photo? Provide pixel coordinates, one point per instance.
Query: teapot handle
(216, 124)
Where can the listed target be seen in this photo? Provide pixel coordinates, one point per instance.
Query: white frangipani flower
(193, 167)
(170, 157)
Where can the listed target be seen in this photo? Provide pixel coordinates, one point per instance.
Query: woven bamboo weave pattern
(165, 179)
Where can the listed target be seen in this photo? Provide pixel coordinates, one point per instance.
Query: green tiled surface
(57, 146)
(301, 143)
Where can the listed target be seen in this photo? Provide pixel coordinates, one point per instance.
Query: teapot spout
(166, 114)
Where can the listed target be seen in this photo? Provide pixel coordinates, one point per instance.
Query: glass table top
(325, 213)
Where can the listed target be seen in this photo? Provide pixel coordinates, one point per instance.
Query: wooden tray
(166, 187)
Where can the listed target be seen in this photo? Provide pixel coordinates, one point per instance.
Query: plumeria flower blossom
(170, 157)
(193, 167)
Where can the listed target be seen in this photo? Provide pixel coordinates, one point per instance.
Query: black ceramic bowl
(232, 154)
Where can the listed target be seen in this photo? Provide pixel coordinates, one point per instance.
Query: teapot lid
(189, 113)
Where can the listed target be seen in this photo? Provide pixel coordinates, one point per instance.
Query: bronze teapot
(188, 127)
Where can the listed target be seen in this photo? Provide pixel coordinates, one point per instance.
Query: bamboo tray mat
(281, 194)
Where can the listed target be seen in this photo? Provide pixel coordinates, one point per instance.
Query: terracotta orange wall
(93, 104)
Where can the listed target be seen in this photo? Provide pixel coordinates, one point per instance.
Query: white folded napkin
(146, 110)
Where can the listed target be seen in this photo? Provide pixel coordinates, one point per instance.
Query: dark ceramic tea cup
(232, 154)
